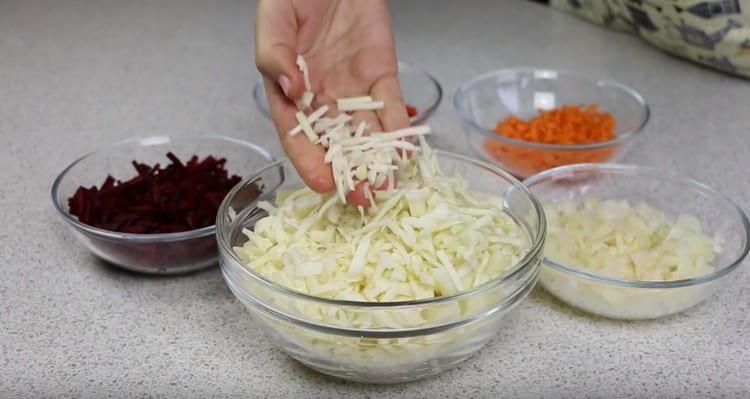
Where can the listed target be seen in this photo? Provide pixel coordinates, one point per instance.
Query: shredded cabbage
(429, 237)
(353, 155)
(613, 238)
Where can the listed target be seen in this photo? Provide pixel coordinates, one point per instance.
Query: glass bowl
(671, 194)
(484, 101)
(419, 89)
(454, 327)
(151, 253)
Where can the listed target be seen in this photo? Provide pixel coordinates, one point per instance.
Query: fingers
(393, 116)
(276, 59)
(276, 46)
(358, 197)
(370, 118)
(307, 158)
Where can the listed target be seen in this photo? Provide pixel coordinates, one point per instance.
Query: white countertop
(76, 75)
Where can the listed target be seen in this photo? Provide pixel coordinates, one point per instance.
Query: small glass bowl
(673, 195)
(418, 88)
(168, 253)
(458, 326)
(485, 100)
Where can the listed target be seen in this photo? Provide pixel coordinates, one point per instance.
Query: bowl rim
(262, 105)
(526, 262)
(422, 115)
(145, 141)
(655, 173)
(558, 73)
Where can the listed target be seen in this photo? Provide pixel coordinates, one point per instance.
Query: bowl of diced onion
(421, 91)
(400, 336)
(634, 242)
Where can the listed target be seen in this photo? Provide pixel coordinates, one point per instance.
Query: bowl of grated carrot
(527, 120)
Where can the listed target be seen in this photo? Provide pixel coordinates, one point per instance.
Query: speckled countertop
(76, 75)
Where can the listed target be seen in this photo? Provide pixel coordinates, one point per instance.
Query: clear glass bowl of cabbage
(633, 242)
(387, 341)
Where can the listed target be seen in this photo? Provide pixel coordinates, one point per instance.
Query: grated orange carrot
(568, 124)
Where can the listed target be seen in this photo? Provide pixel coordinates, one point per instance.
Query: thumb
(276, 46)
(279, 64)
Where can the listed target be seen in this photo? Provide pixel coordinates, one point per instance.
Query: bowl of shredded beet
(149, 204)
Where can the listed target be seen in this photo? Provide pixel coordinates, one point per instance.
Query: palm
(348, 48)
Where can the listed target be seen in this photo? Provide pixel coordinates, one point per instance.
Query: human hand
(349, 50)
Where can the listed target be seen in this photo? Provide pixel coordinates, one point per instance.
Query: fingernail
(284, 83)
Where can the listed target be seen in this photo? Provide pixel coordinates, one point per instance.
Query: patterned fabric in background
(711, 32)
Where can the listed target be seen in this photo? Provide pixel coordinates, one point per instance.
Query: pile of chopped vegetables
(568, 124)
(612, 238)
(636, 243)
(354, 152)
(431, 236)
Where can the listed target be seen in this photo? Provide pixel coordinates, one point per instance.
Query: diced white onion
(613, 238)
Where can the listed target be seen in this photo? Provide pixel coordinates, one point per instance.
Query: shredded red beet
(161, 256)
(411, 110)
(179, 197)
